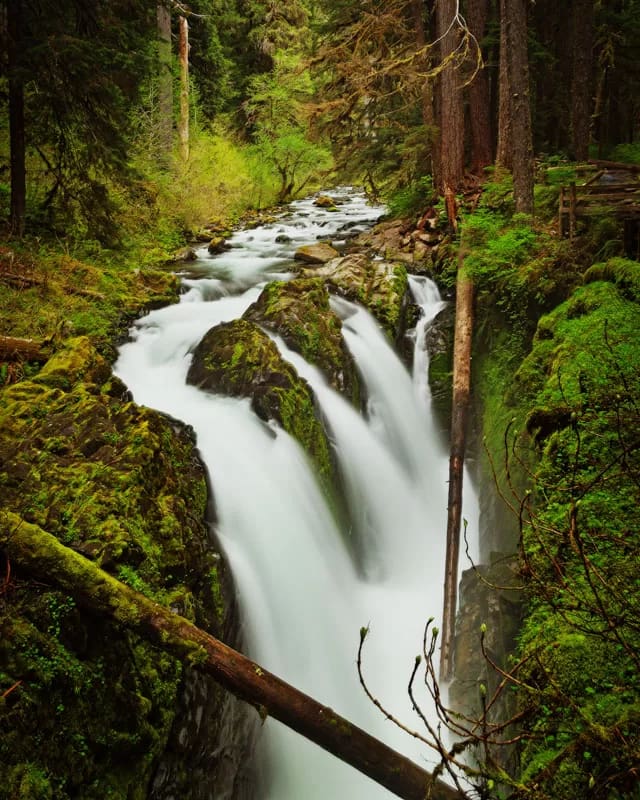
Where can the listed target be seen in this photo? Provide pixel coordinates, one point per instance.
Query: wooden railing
(611, 189)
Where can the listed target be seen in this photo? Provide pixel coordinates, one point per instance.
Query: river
(304, 595)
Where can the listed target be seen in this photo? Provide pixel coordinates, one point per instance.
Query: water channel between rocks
(302, 596)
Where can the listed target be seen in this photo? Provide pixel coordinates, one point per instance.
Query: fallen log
(28, 282)
(42, 555)
(620, 165)
(459, 407)
(20, 281)
(12, 349)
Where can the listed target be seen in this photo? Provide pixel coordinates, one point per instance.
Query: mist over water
(306, 587)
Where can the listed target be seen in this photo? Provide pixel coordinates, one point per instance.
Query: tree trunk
(16, 119)
(581, 79)
(165, 86)
(12, 349)
(459, 408)
(183, 125)
(36, 551)
(426, 100)
(479, 95)
(504, 156)
(451, 111)
(522, 137)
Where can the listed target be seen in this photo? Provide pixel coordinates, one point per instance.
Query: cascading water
(304, 596)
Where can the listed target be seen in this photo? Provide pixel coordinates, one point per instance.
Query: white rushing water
(303, 594)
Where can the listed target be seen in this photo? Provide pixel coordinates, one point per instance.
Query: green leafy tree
(276, 115)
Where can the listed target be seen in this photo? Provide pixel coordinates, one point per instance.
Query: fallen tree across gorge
(40, 554)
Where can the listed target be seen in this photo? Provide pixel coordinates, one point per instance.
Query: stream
(303, 594)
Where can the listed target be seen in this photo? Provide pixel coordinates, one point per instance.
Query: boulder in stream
(380, 286)
(299, 312)
(324, 201)
(316, 253)
(239, 360)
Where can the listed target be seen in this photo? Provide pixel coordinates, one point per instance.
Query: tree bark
(581, 78)
(504, 156)
(41, 554)
(479, 95)
(451, 110)
(426, 99)
(459, 408)
(16, 119)
(12, 349)
(183, 125)
(165, 86)
(521, 131)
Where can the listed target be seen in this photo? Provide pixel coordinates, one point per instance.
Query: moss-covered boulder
(324, 201)
(238, 359)
(299, 311)
(123, 486)
(380, 286)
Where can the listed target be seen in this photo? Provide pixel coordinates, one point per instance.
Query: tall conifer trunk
(504, 156)
(183, 125)
(165, 86)
(16, 119)
(428, 115)
(451, 111)
(479, 95)
(581, 83)
(513, 25)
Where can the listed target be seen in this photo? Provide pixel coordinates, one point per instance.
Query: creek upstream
(304, 594)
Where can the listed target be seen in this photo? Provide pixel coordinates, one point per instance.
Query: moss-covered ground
(86, 707)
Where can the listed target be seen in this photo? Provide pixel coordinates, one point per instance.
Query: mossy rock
(623, 272)
(380, 286)
(299, 311)
(239, 360)
(93, 706)
(324, 201)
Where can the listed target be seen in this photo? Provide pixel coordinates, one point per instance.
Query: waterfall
(304, 593)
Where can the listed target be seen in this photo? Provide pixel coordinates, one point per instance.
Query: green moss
(240, 360)
(624, 273)
(569, 401)
(122, 487)
(299, 312)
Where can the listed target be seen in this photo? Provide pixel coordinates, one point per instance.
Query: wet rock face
(299, 312)
(407, 241)
(486, 600)
(239, 360)
(209, 754)
(439, 343)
